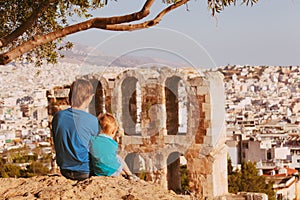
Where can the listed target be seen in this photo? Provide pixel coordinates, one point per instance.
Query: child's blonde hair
(108, 123)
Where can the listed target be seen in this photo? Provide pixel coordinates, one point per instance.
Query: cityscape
(262, 114)
(206, 96)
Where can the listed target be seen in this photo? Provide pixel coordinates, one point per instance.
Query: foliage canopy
(33, 168)
(33, 30)
(248, 180)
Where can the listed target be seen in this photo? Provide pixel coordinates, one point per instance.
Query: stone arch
(176, 106)
(174, 162)
(171, 94)
(118, 107)
(97, 104)
(131, 106)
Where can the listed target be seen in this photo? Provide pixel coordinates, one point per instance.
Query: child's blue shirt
(104, 155)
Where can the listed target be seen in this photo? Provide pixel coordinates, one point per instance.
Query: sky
(266, 34)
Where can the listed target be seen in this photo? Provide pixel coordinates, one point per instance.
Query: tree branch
(146, 24)
(43, 5)
(110, 23)
(144, 12)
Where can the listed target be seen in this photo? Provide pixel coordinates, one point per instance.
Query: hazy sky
(266, 34)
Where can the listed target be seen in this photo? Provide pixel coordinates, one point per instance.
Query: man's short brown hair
(107, 122)
(80, 90)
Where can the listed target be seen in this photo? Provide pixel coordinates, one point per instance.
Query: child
(105, 161)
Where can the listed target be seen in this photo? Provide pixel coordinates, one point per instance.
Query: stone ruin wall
(146, 104)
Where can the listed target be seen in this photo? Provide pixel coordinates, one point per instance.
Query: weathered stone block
(206, 124)
(201, 98)
(137, 140)
(132, 139)
(111, 84)
(196, 81)
(206, 107)
(200, 166)
(207, 98)
(169, 139)
(208, 140)
(202, 90)
(125, 139)
(199, 139)
(181, 139)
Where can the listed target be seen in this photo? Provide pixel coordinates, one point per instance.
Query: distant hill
(80, 54)
(20, 79)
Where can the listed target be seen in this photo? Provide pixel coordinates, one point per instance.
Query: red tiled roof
(291, 171)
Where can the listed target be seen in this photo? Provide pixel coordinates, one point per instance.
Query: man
(72, 129)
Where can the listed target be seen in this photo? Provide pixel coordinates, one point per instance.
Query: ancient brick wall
(164, 116)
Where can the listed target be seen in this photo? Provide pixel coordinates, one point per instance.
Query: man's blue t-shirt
(72, 130)
(104, 155)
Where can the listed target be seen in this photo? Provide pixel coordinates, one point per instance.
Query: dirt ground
(54, 187)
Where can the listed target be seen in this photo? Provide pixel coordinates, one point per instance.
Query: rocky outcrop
(57, 187)
(244, 196)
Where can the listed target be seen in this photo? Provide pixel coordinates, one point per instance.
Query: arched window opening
(182, 108)
(176, 106)
(97, 105)
(177, 175)
(131, 106)
(135, 163)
